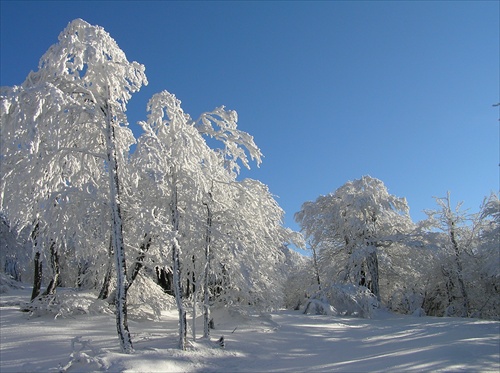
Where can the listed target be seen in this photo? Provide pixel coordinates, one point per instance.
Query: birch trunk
(193, 321)
(178, 295)
(117, 235)
(177, 268)
(206, 295)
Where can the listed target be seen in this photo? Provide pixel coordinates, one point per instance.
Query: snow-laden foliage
(66, 303)
(446, 265)
(73, 109)
(221, 124)
(8, 283)
(248, 235)
(299, 283)
(174, 206)
(342, 300)
(464, 279)
(14, 258)
(147, 300)
(245, 231)
(352, 230)
(88, 67)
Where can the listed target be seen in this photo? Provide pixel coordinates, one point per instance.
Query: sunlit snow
(285, 341)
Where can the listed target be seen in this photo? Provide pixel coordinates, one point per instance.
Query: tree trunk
(37, 277)
(206, 294)
(145, 245)
(195, 300)
(316, 268)
(117, 235)
(56, 270)
(178, 295)
(372, 266)
(177, 268)
(458, 262)
(165, 278)
(104, 293)
(191, 279)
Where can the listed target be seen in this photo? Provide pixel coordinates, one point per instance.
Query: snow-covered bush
(67, 303)
(7, 283)
(84, 357)
(463, 279)
(299, 279)
(405, 301)
(147, 300)
(343, 300)
(15, 261)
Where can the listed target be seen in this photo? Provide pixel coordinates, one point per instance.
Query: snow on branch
(221, 124)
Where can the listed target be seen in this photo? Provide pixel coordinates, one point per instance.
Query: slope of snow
(285, 341)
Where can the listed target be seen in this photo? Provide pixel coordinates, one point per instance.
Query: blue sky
(331, 90)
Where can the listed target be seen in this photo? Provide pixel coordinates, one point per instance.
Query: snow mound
(8, 284)
(83, 358)
(67, 303)
(242, 318)
(147, 300)
(343, 300)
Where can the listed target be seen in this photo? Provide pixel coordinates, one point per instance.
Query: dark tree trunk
(316, 267)
(372, 266)
(37, 277)
(139, 261)
(56, 270)
(191, 281)
(458, 262)
(165, 279)
(104, 293)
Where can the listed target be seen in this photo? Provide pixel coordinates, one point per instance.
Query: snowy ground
(286, 341)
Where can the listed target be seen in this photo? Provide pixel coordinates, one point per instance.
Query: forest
(163, 220)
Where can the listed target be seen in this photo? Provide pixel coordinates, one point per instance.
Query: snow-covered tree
(253, 235)
(223, 232)
(77, 112)
(486, 294)
(173, 155)
(34, 172)
(352, 227)
(452, 222)
(300, 279)
(70, 183)
(464, 275)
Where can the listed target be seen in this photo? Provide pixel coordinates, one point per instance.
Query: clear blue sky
(331, 90)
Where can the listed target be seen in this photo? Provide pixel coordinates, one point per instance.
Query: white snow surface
(284, 341)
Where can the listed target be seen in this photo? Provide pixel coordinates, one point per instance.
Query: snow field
(285, 341)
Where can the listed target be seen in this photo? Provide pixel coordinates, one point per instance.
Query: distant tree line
(367, 251)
